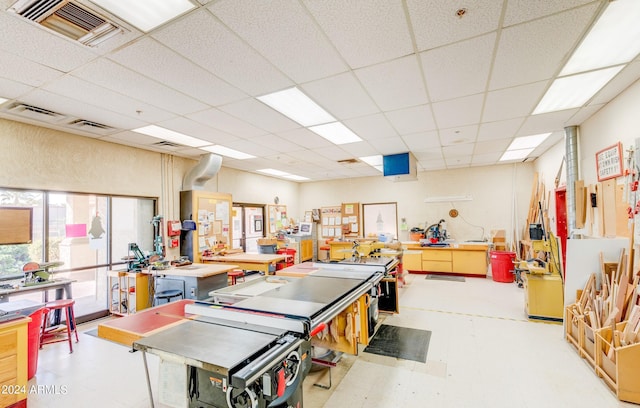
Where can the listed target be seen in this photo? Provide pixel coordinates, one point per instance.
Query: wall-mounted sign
(609, 162)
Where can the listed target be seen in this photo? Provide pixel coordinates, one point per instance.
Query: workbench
(464, 259)
(249, 262)
(126, 330)
(198, 278)
(60, 285)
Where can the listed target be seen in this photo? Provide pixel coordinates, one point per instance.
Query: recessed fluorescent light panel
(273, 172)
(296, 178)
(171, 136)
(575, 90)
(297, 106)
(336, 133)
(146, 14)
(373, 161)
(515, 154)
(528, 142)
(225, 151)
(613, 39)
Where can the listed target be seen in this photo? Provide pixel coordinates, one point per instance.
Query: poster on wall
(609, 162)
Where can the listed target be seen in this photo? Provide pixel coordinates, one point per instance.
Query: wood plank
(622, 217)
(581, 208)
(609, 208)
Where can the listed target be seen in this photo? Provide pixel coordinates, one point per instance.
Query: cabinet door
(412, 260)
(436, 266)
(306, 250)
(471, 262)
(436, 255)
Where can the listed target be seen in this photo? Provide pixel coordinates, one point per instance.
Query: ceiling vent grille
(67, 18)
(348, 161)
(93, 127)
(165, 143)
(34, 112)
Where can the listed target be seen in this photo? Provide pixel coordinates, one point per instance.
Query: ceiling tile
(436, 23)
(83, 91)
(583, 114)
(619, 83)
(459, 135)
(150, 58)
(371, 127)
(485, 159)
(391, 145)
(433, 164)
(365, 33)
(395, 84)
(546, 122)
(198, 130)
(459, 69)
(334, 153)
(341, 95)
(305, 137)
(200, 37)
(284, 33)
(260, 115)
(227, 123)
(360, 149)
(249, 147)
(41, 45)
(497, 146)
(422, 140)
(458, 150)
(458, 112)
(25, 71)
(279, 143)
(11, 89)
(455, 161)
(500, 130)
(515, 102)
(533, 51)
(137, 86)
(412, 120)
(519, 11)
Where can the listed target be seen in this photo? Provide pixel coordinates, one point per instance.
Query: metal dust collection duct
(571, 153)
(197, 177)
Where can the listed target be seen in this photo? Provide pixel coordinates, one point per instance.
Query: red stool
(235, 275)
(55, 334)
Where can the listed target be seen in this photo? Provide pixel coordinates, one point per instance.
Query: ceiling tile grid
(453, 81)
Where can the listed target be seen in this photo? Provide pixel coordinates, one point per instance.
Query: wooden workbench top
(453, 247)
(195, 270)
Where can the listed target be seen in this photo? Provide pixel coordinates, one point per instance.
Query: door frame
(243, 226)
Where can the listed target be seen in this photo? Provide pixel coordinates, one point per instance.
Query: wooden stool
(54, 334)
(235, 275)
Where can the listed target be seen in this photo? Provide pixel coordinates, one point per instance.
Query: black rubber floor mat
(447, 278)
(400, 342)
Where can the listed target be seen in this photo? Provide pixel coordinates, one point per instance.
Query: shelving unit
(128, 292)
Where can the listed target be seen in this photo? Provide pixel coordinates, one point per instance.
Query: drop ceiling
(406, 75)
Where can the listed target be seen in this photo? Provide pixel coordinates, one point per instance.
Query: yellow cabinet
(543, 297)
(469, 262)
(306, 250)
(412, 260)
(128, 292)
(13, 361)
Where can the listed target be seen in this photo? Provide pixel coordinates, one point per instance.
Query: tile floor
(482, 353)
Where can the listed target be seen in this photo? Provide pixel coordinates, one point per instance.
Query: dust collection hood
(68, 18)
(197, 177)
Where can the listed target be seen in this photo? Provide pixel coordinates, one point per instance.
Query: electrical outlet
(193, 292)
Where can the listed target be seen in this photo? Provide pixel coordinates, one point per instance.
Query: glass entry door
(248, 226)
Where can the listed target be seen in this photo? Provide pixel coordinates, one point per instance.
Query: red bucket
(33, 344)
(502, 269)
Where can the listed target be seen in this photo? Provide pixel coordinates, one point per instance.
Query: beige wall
(38, 158)
(496, 191)
(615, 122)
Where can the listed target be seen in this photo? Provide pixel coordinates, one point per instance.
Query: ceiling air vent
(93, 127)
(165, 143)
(34, 112)
(348, 161)
(67, 18)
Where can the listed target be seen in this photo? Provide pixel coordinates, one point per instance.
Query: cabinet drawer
(436, 255)
(8, 368)
(8, 343)
(436, 266)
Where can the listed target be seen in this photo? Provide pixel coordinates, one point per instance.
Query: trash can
(502, 269)
(34, 342)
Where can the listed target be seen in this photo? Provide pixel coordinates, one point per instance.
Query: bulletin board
(16, 225)
(331, 222)
(380, 218)
(211, 213)
(351, 221)
(277, 218)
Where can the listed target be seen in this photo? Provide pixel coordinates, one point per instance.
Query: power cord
(463, 219)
